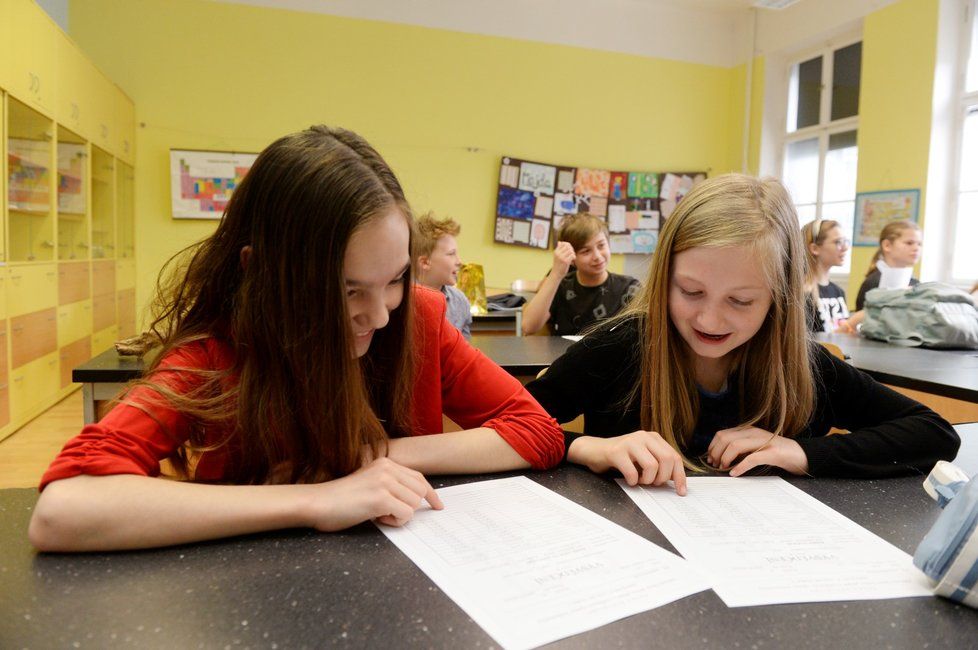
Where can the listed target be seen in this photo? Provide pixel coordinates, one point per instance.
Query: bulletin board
(534, 198)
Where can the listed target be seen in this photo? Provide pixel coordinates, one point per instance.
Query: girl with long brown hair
(711, 365)
(301, 380)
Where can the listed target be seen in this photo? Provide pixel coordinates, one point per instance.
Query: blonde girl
(825, 247)
(712, 367)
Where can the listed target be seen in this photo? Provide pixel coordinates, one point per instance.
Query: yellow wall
(738, 106)
(895, 107)
(212, 75)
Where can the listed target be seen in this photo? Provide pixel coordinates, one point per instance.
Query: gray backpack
(931, 315)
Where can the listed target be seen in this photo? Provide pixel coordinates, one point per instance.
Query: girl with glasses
(825, 247)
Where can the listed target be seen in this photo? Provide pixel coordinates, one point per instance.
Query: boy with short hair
(571, 298)
(438, 264)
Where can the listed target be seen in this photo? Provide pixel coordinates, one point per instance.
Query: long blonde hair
(773, 369)
(814, 232)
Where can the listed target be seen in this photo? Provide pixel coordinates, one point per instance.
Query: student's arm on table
(128, 511)
(889, 433)
(592, 375)
(536, 313)
(504, 426)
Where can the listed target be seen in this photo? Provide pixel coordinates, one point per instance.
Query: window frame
(966, 103)
(826, 126)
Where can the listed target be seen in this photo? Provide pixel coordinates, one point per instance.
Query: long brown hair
(773, 369)
(891, 232)
(298, 403)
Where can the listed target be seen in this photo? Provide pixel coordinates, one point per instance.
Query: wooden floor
(27, 453)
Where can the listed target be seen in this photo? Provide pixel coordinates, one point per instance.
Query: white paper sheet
(762, 541)
(532, 567)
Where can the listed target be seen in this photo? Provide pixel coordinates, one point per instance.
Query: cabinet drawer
(72, 355)
(74, 282)
(4, 283)
(103, 312)
(102, 340)
(32, 386)
(4, 375)
(103, 277)
(32, 336)
(74, 322)
(31, 288)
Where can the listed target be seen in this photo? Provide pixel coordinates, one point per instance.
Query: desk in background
(353, 588)
(523, 357)
(945, 380)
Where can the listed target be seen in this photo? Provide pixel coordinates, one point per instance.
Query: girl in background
(825, 247)
(301, 381)
(899, 250)
(712, 366)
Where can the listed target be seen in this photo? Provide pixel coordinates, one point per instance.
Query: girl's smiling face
(718, 299)
(375, 266)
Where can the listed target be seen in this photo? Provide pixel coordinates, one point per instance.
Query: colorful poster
(564, 203)
(28, 171)
(643, 185)
(71, 178)
(516, 204)
(592, 182)
(201, 182)
(644, 241)
(876, 209)
(533, 199)
(619, 186)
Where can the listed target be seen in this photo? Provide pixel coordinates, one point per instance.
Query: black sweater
(890, 435)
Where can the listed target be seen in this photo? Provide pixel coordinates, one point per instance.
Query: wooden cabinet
(33, 336)
(67, 204)
(33, 46)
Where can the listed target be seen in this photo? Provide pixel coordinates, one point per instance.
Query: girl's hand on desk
(754, 447)
(642, 457)
(381, 490)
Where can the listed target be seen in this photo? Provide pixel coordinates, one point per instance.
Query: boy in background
(438, 264)
(572, 297)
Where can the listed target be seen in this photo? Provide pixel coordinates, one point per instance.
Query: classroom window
(964, 261)
(820, 150)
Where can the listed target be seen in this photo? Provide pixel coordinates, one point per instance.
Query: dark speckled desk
(297, 588)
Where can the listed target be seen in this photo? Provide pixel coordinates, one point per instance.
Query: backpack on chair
(930, 315)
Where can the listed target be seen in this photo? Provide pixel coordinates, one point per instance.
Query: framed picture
(201, 182)
(876, 209)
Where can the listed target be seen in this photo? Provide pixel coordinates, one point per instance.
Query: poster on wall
(876, 209)
(534, 198)
(201, 182)
(28, 163)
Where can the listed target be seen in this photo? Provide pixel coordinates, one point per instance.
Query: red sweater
(453, 378)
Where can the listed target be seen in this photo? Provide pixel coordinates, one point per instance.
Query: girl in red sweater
(300, 383)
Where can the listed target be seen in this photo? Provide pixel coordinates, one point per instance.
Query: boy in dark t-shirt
(579, 290)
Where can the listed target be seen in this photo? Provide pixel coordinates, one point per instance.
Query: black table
(297, 588)
(523, 356)
(103, 376)
(950, 373)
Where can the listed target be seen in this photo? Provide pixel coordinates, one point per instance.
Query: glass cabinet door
(125, 211)
(30, 184)
(73, 243)
(103, 204)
